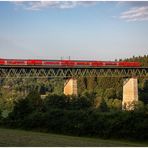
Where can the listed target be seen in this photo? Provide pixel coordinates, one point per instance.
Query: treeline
(109, 89)
(142, 59)
(76, 116)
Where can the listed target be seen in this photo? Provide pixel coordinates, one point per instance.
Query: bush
(56, 101)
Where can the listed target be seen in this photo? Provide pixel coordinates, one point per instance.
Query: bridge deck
(68, 67)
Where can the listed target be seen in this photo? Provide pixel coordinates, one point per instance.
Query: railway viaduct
(71, 74)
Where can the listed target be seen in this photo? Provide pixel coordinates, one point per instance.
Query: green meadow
(14, 138)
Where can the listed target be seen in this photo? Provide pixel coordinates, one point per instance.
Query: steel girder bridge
(71, 72)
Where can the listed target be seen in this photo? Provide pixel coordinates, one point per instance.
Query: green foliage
(117, 104)
(110, 93)
(139, 106)
(24, 107)
(143, 90)
(114, 104)
(0, 114)
(76, 116)
(5, 113)
(127, 125)
(21, 109)
(103, 106)
(56, 101)
(67, 102)
(82, 102)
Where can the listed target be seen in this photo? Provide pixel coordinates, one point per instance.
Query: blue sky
(81, 30)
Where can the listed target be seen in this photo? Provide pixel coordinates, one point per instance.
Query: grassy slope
(10, 137)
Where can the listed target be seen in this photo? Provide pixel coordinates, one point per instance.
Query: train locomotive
(66, 63)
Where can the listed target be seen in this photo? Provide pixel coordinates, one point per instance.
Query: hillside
(15, 138)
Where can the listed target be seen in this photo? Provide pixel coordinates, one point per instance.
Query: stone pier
(130, 93)
(70, 87)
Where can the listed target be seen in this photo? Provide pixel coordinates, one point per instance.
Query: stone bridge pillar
(130, 93)
(70, 87)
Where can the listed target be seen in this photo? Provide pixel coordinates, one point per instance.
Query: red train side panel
(2, 62)
(68, 63)
(15, 62)
(34, 62)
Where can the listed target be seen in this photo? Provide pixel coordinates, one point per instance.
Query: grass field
(14, 138)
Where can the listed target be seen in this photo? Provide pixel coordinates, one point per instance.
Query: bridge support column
(130, 93)
(70, 87)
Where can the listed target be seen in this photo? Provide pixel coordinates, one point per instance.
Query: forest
(97, 110)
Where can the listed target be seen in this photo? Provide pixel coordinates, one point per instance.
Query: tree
(91, 84)
(110, 93)
(103, 106)
(117, 104)
(139, 106)
(81, 102)
(146, 108)
(21, 109)
(56, 101)
(91, 96)
(109, 103)
(35, 100)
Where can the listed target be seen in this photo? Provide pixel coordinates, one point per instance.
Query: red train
(67, 63)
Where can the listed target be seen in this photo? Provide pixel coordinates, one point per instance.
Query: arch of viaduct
(71, 74)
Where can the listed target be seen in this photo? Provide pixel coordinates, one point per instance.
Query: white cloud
(39, 5)
(135, 14)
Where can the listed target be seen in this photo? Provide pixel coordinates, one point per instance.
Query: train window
(6, 62)
(75, 63)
